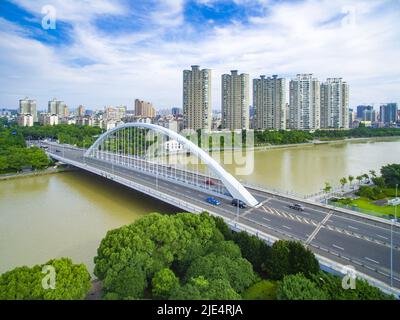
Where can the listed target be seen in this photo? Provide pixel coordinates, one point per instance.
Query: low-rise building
(47, 119)
(25, 120)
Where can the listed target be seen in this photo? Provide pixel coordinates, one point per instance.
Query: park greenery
(375, 188)
(81, 136)
(282, 137)
(14, 154)
(72, 282)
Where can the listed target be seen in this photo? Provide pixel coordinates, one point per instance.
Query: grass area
(263, 290)
(366, 204)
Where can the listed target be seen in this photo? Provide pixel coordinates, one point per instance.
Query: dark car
(296, 206)
(236, 202)
(58, 150)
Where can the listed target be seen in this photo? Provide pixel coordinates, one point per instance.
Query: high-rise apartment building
(197, 98)
(304, 103)
(176, 111)
(80, 112)
(144, 109)
(366, 113)
(269, 102)
(335, 104)
(388, 113)
(27, 106)
(235, 101)
(57, 107)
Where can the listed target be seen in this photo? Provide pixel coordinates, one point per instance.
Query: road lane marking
(337, 247)
(319, 226)
(266, 219)
(351, 227)
(370, 268)
(289, 228)
(378, 235)
(372, 260)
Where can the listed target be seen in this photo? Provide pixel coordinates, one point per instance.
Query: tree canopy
(163, 248)
(298, 287)
(290, 257)
(72, 282)
(391, 174)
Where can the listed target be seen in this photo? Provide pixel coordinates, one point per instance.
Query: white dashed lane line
(266, 219)
(289, 228)
(372, 260)
(351, 227)
(378, 235)
(337, 247)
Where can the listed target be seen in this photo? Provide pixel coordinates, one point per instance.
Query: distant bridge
(165, 165)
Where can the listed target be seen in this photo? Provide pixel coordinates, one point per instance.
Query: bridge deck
(341, 238)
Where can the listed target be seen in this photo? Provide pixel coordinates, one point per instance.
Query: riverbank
(19, 175)
(310, 143)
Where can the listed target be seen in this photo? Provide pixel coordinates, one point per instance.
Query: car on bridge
(296, 206)
(213, 201)
(237, 202)
(210, 182)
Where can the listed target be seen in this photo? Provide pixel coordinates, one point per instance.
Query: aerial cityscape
(209, 150)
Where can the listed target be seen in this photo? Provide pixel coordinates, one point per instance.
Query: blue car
(213, 201)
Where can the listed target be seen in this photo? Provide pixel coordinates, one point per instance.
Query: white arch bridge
(160, 151)
(167, 166)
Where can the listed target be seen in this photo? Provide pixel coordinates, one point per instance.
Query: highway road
(339, 236)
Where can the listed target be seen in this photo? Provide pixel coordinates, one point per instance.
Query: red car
(210, 182)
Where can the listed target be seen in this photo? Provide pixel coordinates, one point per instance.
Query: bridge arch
(235, 188)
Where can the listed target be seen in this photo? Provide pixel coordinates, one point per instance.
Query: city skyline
(88, 55)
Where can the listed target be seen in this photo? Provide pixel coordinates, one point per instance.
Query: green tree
(128, 283)
(298, 287)
(343, 181)
(72, 282)
(327, 188)
(379, 182)
(216, 265)
(391, 174)
(372, 173)
(290, 257)
(253, 249)
(38, 158)
(332, 286)
(150, 244)
(359, 178)
(200, 288)
(351, 179)
(164, 282)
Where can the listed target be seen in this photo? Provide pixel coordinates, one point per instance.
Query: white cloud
(311, 37)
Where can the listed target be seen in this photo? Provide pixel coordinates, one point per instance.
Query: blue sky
(109, 52)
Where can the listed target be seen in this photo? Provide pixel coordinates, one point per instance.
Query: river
(67, 214)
